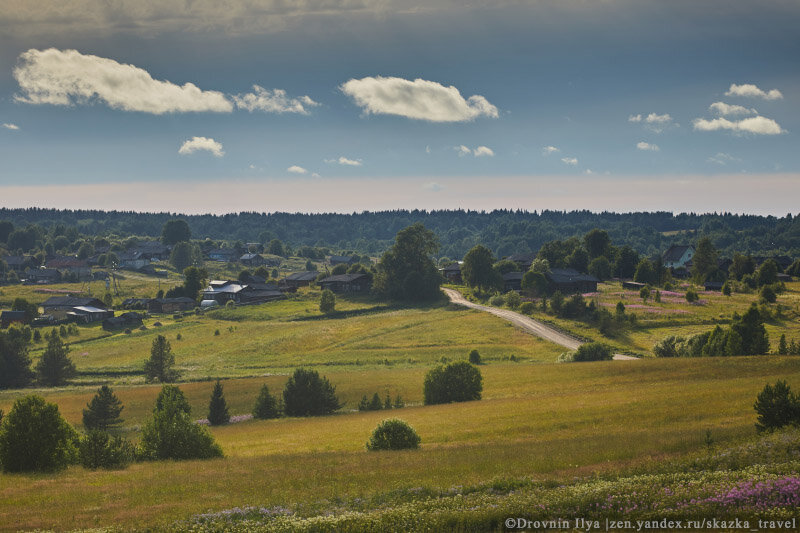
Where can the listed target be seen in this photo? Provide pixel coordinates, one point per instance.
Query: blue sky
(359, 105)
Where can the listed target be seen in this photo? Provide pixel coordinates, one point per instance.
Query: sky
(320, 105)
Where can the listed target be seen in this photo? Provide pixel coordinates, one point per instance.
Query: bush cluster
(393, 434)
(458, 381)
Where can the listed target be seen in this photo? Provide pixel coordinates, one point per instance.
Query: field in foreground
(537, 423)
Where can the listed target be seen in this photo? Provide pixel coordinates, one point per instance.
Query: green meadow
(539, 423)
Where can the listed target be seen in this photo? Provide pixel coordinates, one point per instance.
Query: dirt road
(528, 324)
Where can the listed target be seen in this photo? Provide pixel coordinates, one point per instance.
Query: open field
(545, 421)
(675, 316)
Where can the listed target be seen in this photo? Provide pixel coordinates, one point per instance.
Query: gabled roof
(569, 275)
(248, 257)
(509, 276)
(88, 309)
(454, 267)
(343, 278)
(14, 260)
(522, 258)
(308, 275)
(71, 301)
(67, 262)
(675, 252)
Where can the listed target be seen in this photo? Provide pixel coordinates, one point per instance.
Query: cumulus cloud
(10, 126)
(647, 146)
(570, 160)
(419, 99)
(757, 125)
(655, 118)
(432, 186)
(345, 161)
(547, 150)
(295, 169)
(201, 143)
(67, 77)
(274, 101)
(752, 91)
(483, 151)
(721, 108)
(653, 121)
(635, 118)
(462, 150)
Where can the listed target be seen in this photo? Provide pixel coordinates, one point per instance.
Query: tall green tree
(308, 394)
(704, 261)
(406, 270)
(31, 310)
(626, 261)
(217, 407)
(55, 367)
(327, 302)
(15, 364)
(182, 256)
(34, 437)
(750, 327)
(159, 366)
(103, 411)
(175, 231)
(597, 243)
(477, 269)
(266, 405)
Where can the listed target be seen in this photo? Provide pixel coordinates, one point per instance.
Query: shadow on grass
(439, 303)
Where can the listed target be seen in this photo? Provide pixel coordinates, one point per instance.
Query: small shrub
(458, 381)
(178, 337)
(98, 449)
(513, 299)
(216, 333)
(474, 357)
(593, 351)
(777, 406)
(266, 405)
(393, 434)
(691, 296)
(327, 302)
(308, 394)
(644, 293)
(497, 300)
(768, 295)
(527, 308)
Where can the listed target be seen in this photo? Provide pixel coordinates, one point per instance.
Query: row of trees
(53, 369)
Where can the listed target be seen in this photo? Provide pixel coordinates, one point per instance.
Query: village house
(224, 255)
(171, 305)
(346, 283)
(677, 256)
(341, 260)
(524, 261)
(452, 272)
(301, 279)
(42, 276)
(60, 306)
(73, 265)
(512, 281)
(252, 260)
(18, 263)
(125, 320)
(132, 260)
(10, 317)
(569, 280)
(153, 250)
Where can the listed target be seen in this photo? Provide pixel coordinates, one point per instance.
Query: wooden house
(252, 260)
(678, 255)
(301, 279)
(512, 281)
(346, 283)
(569, 280)
(452, 272)
(10, 317)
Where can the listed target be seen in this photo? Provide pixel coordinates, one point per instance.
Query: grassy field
(542, 421)
(673, 315)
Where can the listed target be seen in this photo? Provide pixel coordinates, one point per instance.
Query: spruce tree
(55, 367)
(783, 348)
(103, 411)
(159, 366)
(217, 408)
(266, 405)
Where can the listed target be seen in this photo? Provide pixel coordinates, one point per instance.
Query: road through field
(528, 324)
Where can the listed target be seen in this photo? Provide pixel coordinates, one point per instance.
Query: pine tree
(387, 403)
(103, 411)
(783, 349)
(55, 367)
(375, 404)
(217, 408)
(266, 405)
(159, 366)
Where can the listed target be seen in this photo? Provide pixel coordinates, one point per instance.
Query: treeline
(505, 232)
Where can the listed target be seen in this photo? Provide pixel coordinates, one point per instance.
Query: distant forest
(505, 232)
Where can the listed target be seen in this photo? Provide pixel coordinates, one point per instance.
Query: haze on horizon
(619, 105)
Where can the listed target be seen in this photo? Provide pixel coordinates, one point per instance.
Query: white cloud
(483, 151)
(570, 160)
(10, 126)
(635, 118)
(66, 77)
(752, 91)
(757, 125)
(294, 169)
(315, 175)
(547, 150)
(588, 172)
(462, 150)
(432, 186)
(274, 101)
(427, 149)
(419, 99)
(721, 158)
(647, 146)
(654, 118)
(721, 108)
(345, 161)
(201, 143)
